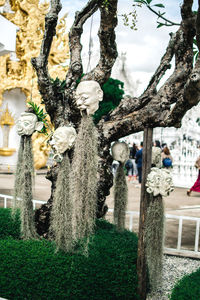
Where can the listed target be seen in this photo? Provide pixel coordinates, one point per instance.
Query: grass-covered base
(9, 226)
(188, 288)
(32, 269)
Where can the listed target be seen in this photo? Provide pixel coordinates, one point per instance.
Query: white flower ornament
(159, 181)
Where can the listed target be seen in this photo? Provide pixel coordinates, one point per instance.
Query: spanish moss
(23, 188)
(62, 209)
(154, 230)
(120, 197)
(18, 177)
(84, 181)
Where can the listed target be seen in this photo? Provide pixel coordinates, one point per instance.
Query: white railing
(177, 250)
(132, 214)
(7, 197)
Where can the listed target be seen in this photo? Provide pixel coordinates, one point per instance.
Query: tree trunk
(144, 200)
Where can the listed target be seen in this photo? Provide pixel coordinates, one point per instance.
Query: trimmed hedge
(188, 288)
(9, 226)
(32, 269)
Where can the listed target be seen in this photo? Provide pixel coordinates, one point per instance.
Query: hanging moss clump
(120, 197)
(18, 177)
(62, 209)
(154, 237)
(23, 188)
(84, 181)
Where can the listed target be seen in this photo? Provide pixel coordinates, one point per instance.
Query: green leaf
(140, 1)
(149, 1)
(159, 5)
(160, 25)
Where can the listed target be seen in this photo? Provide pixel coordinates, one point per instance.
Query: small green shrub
(188, 288)
(9, 226)
(32, 270)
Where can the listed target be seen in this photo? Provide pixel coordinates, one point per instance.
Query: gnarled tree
(162, 107)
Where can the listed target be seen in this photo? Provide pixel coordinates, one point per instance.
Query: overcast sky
(144, 47)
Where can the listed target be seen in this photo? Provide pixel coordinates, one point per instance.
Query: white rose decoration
(159, 181)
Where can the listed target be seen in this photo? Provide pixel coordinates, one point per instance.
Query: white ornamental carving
(88, 96)
(28, 123)
(63, 139)
(159, 182)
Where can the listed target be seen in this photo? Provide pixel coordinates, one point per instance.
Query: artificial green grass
(188, 288)
(9, 226)
(32, 270)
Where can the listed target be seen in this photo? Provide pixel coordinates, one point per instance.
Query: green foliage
(9, 226)
(32, 270)
(195, 53)
(149, 4)
(113, 93)
(59, 85)
(106, 4)
(130, 19)
(40, 115)
(187, 288)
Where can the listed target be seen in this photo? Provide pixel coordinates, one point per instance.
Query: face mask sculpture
(62, 140)
(88, 96)
(61, 224)
(26, 125)
(120, 152)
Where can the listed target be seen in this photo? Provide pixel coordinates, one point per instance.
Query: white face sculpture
(88, 95)
(120, 151)
(27, 124)
(63, 139)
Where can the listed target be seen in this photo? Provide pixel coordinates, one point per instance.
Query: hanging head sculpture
(120, 152)
(28, 123)
(88, 96)
(62, 140)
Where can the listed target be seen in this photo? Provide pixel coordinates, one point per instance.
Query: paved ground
(177, 203)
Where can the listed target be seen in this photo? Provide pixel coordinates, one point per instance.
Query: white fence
(178, 250)
(6, 198)
(133, 214)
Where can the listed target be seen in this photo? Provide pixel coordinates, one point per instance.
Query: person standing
(167, 159)
(196, 185)
(133, 151)
(138, 160)
(156, 155)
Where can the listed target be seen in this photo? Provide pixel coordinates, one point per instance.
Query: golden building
(29, 16)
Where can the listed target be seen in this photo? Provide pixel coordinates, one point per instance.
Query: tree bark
(144, 200)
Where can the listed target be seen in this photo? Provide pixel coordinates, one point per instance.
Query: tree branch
(108, 48)
(164, 64)
(171, 23)
(132, 117)
(187, 87)
(76, 68)
(41, 62)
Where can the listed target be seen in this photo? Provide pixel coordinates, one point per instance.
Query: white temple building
(184, 142)
(184, 145)
(8, 36)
